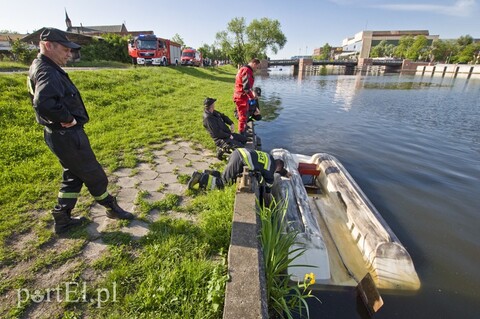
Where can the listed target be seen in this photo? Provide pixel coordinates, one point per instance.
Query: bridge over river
(300, 65)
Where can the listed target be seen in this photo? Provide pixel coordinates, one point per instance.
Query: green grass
(100, 64)
(9, 66)
(178, 270)
(129, 109)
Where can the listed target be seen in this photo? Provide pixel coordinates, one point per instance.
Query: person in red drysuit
(244, 92)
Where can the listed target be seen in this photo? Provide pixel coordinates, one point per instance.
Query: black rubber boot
(220, 153)
(64, 221)
(114, 211)
(259, 143)
(194, 180)
(213, 173)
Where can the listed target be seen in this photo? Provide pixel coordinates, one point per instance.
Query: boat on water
(343, 234)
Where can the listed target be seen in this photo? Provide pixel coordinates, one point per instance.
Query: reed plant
(285, 298)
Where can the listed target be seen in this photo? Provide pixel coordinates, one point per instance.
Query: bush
(112, 47)
(22, 53)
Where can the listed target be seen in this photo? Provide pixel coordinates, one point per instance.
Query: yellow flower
(309, 278)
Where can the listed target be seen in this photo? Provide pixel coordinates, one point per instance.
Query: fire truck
(190, 56)
(148, 49)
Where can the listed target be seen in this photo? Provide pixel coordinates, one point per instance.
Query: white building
(362, 42)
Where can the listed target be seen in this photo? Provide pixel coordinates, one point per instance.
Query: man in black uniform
(217, 124)
(257, 161)
(59, 108)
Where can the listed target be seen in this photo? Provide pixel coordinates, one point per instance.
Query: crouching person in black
(217, 124)
(262, 164)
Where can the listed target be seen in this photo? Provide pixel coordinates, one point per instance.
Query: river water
(412, 143)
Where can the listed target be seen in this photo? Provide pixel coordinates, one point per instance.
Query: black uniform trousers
(80, 165)
(238, 141)
(233, 169)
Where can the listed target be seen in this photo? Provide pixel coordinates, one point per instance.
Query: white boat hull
(344, 235)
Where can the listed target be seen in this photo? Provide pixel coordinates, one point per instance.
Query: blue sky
(307, 24)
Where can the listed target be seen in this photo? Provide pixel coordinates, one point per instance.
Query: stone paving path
(154, 178)
(157, 178)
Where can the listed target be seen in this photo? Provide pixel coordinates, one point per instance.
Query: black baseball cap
(55, 35)
(208, 101)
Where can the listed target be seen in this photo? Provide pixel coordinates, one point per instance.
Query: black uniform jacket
(55, 98)
(216, 124)
(256, 161)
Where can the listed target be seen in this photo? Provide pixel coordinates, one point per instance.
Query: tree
(326, 50)
(413, 48)
(382, 49)
(263, 35)
(232, 41)
(22, 53)
(442, 50)
(205, 50)
(418, 49)
(469, 53)
(241, 42)
(178, 39)
(212, 52)
(464, 40)
(404, 44)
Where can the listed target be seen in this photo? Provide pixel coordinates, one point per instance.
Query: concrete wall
(263, 64)
(303, 64)
(451, 70)
(475, 72)
(245, 293)
(408, 65)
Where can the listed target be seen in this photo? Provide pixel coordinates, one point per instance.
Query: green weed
(284, 300)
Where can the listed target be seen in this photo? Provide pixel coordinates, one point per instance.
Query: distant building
(6, 41)
(99, 30)
(82, 39)
(362, 43)
(84, 35)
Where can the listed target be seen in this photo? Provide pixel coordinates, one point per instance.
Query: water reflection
(270, 107)
(412, 143)
(345, 91)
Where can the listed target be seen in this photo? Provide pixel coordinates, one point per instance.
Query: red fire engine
(190, 56)
(147, 49)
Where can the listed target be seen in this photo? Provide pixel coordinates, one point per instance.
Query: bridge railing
(295, 62)
(282, 62)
